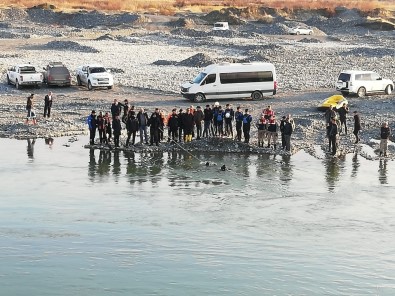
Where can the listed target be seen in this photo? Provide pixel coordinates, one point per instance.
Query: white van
(221, 26)
(232, 80)
(362, 83)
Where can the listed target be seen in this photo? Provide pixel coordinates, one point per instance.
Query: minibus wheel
(199, 97)
(256, 95)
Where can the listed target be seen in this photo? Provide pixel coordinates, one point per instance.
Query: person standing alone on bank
(385, 133)
(357, 126)
(48, 99)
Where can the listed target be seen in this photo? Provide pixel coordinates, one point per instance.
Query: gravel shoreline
(150, 60)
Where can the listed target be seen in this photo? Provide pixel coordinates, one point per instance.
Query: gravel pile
(10, 35)
(310, 40)
(198, 60)
(69, 45)
(12, 14)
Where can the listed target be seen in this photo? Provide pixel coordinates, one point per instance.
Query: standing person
(385, 133)
(288, 130)
(108, 128)
(268, 112)
(208, 118)
(162, 124)
(155, 125)
(48, 104)
(142, 118)
(215, 113)
(333, 136)
(125, 107)
(101, 127)
(172, 125)
(343, 111)
(282, 123)
(272, 132)
(261, 125)
(219, 115)
(247, 118)
(132, 126)
(92, 123)
(357, 126)
(188, 123)
(329, 114)
(181, 115)
(229, 115)
(198, 117)
(115, 109)
(29, 109)
(239, 122)
(117, 128)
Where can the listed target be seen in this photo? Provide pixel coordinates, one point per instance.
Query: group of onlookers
(193, 123)
(336, 123)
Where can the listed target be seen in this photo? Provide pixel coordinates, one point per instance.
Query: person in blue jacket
(92, 123)
(247, 118)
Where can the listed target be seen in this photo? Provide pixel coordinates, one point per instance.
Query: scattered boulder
(106, 37)
(310, 40)
(198, 60)
(182, 22)
(69, 45)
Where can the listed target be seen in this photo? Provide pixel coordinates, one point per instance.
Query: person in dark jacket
(155, 124)
(143, 120)
(198, 117)
(272, 132)
(125, 107)
(333, 136)
(101, 127)
(247, 118)
(132, 126)
(219, 115)
(357, 126)
(343, 111)
(229, 114)
(108, 128)
(117, 128)
(188, 123)
(115, 109)
(172, 125)
(288, 130)
(385, 133)
(239, 122)
(282, 123)
(215, 114)
(92, 123)
(208, 120)
(181, 115)
(48, 104)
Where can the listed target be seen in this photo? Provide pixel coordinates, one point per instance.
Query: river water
(74, 221)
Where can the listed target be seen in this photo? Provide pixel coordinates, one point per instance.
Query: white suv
(362, 83)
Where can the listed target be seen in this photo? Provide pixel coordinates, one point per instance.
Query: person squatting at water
(385, 132)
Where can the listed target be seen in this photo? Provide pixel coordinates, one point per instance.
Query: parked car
(300, 31)
(362, 83)
(221, 26)
(336, 101)
(94, 75)
(24, 75)
(55, 73)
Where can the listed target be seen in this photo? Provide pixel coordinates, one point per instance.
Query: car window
(210, 79)
(59, 70)
(375, 76)
(346, 77)
(97, 70)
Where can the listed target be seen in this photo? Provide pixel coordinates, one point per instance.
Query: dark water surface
(81, 222)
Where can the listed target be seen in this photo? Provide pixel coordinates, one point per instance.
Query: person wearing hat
(172, 126)
(92, 123)
(198, 116)
(247, 118)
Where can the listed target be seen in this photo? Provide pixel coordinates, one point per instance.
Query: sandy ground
(146, 85)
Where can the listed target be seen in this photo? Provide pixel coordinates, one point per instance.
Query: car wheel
(17, 86)
(297, 33)
(388, 89)
(345, 93)
(361, 92)
(109, 87)
(310, 32)
(199, 97)
(79, 81)
(90, 85)
(256, 95)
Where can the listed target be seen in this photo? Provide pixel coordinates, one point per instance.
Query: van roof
(237, 66)
(356, 72)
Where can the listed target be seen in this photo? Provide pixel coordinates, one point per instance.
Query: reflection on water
(355, 165)
(30, 148)
(383, 171)
(49, 142)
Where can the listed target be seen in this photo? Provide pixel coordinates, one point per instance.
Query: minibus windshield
(199, 78)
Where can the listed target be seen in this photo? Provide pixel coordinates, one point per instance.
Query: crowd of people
(189, 124)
